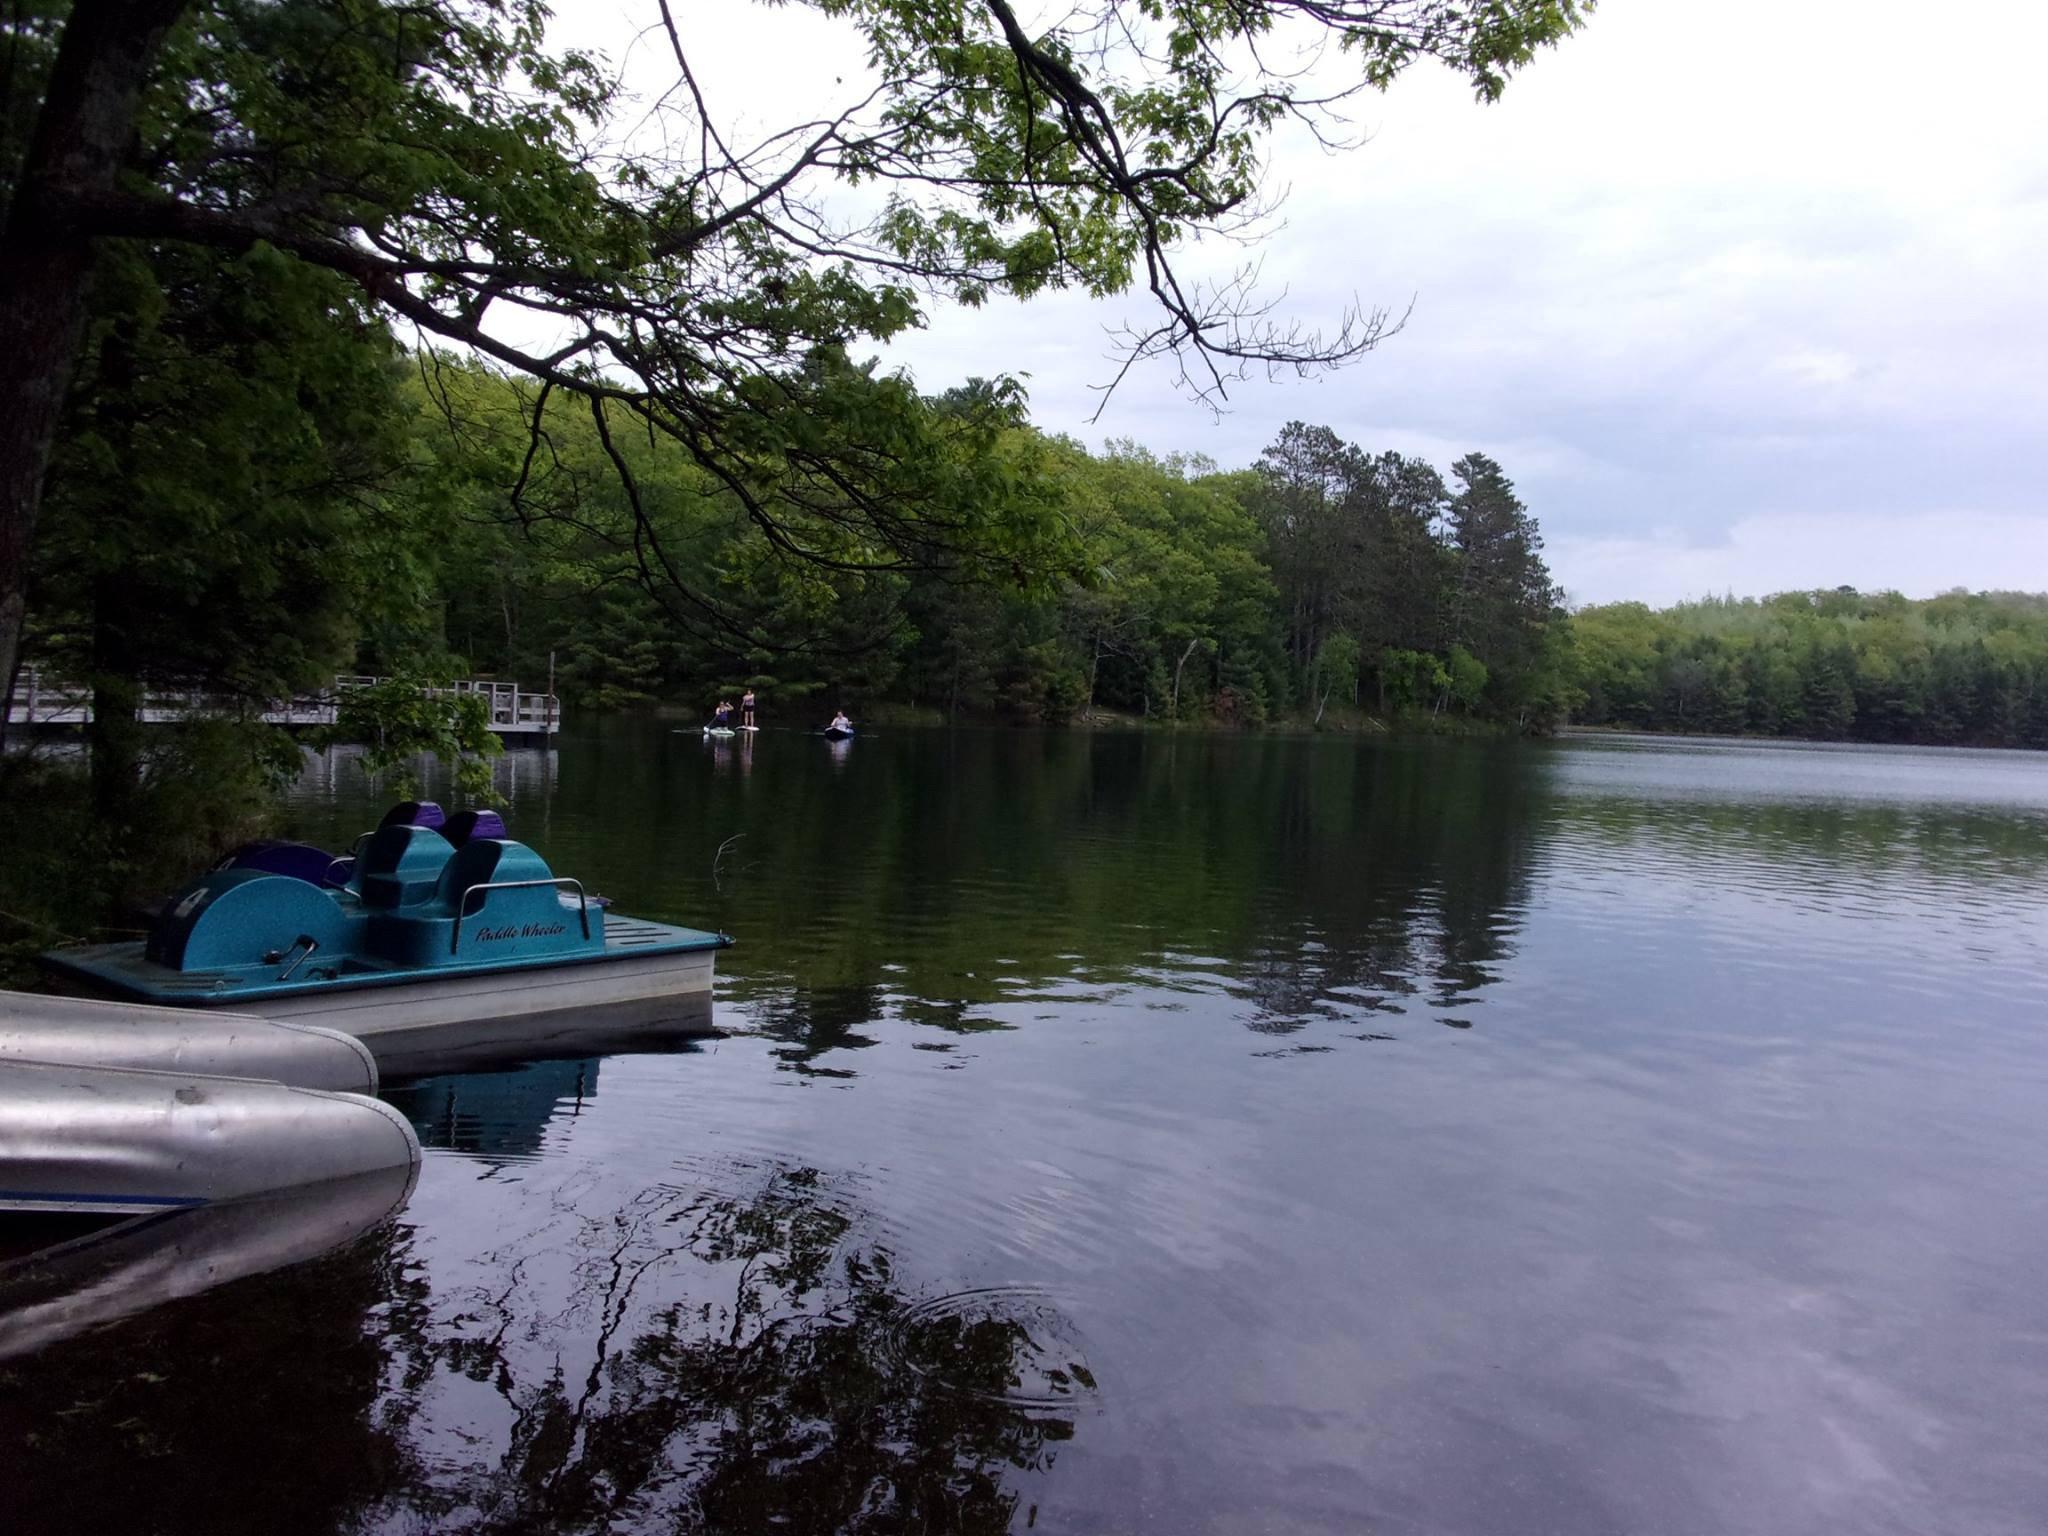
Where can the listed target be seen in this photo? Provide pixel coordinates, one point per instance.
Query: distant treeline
(1959, 669)
(341, 508)
(1322, 577)
(330, 505)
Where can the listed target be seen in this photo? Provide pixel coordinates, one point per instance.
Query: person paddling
(840, 722)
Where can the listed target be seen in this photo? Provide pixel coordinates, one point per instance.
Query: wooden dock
(43, 701)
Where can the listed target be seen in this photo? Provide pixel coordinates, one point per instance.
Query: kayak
(838, 733)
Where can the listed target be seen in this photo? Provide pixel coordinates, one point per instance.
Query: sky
(1745, 295)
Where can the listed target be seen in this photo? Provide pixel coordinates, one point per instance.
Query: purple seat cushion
(465, 825)
(301, 861)
(415, 813)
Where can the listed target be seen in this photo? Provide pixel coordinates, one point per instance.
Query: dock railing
(43, 700)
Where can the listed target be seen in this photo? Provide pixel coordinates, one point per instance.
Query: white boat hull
(406, 1008)
(667, 1023)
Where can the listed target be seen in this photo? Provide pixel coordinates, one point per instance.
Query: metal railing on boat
(557, 881)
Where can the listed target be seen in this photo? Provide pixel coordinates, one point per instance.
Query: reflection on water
(939, 879)
(1184, 1134)
(495, 1114)
(120, 1269)
(254, 1406)
(732, 1355)
(524, 778)
(731, 1359)
(814, 1023)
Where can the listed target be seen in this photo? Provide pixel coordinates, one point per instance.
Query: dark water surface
(1130, 1133)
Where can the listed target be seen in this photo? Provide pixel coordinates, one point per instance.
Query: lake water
(1199, 1134)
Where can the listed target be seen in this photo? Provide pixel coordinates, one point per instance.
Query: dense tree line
(1323, 574)
(339, 505)
(1839, 665)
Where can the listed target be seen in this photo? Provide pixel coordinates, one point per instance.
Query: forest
(484, 529)
(1170, 590)
(425, 515)
(1834, 665)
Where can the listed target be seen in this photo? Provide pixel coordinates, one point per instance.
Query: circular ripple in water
(1006, 1344)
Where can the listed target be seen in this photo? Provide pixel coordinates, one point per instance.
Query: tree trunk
(114, 739)
(7, 685)
(82, 135)
(1174, 708)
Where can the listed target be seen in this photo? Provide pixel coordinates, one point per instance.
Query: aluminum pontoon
(99, 1140)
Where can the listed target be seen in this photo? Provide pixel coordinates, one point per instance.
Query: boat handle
(311, 944)
(462, 907)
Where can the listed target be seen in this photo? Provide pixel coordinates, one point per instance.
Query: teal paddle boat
(433, 922)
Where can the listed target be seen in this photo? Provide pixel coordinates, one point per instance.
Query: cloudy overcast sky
(1744, 294)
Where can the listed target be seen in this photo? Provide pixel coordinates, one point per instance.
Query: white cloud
(1919, 554)
(1764, 276)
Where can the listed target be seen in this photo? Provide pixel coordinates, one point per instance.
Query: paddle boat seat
(233, 918)
(400, 866)
(415, 813)
(302, 861)
(464, 825)
(491, 896)
(416, 902)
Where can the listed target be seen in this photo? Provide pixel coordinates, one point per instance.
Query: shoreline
(1737, 739)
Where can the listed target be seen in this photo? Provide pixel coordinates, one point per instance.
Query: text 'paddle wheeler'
(434, 925)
